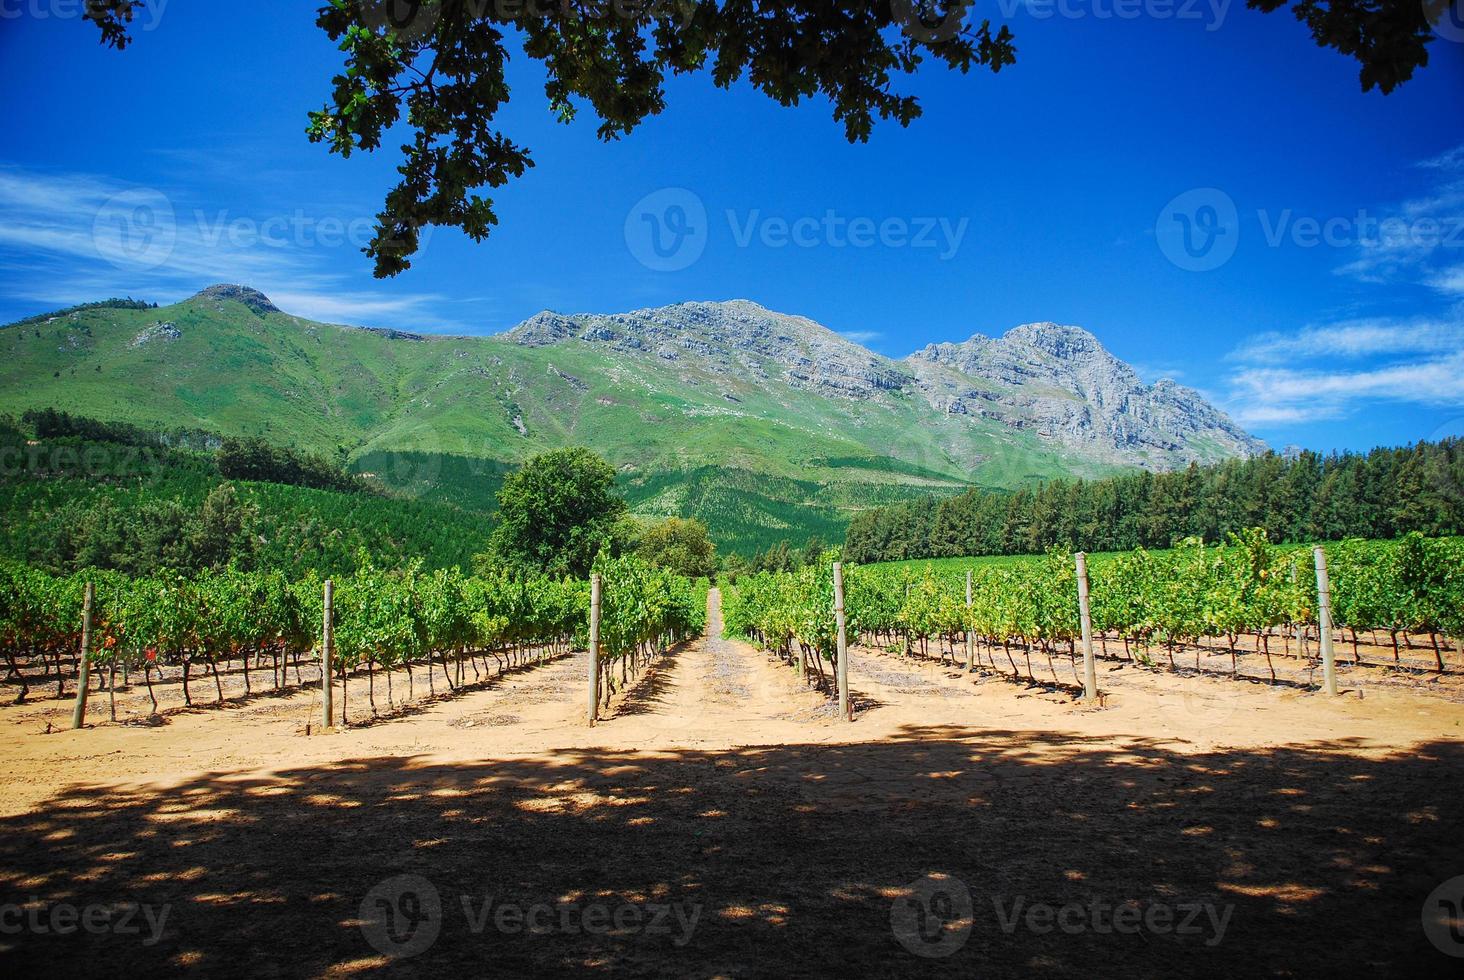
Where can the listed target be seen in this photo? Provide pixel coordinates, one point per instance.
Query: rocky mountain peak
(737, 338)
(1062, 383)
(1055, 339)
(252, 298)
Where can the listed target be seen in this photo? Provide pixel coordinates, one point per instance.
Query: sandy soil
(722, 821)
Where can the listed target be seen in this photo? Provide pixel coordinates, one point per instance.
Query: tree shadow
(792, 858)
(647, 689)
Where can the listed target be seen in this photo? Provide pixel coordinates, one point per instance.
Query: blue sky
(1319, 296)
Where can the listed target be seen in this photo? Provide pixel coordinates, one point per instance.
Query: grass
(444, 417)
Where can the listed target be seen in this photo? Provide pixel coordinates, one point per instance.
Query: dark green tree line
(1384, 493)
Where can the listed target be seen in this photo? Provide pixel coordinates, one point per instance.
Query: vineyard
(719, 776)
(433, 627)
(1246, 599)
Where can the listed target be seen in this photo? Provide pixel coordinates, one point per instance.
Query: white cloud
(1449, 280)
(1420, 240)
(861, 336)
(1452, 159)
(84, 238)
(1335, 370)
(1269, 396)
(1355, 338)
(354, 308)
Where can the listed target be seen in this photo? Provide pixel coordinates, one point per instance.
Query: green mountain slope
(767, 426)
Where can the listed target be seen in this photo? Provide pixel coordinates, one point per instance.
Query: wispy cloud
(861, 336)
(357, 308)
(1421, 240)
(1335, 370)
(82, 237)
(1452, 159)
(1268, 396)
(1416, 362)
(1355, 338)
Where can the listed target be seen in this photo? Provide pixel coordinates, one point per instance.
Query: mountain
(766, 425)
(1062, 381)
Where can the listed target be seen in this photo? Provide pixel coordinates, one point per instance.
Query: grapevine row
(206, 623)
(1169, 600)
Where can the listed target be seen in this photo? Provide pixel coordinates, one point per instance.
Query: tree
(222, 530)
(436, 69)
(252, 458)
(681, 546)
(557, 511)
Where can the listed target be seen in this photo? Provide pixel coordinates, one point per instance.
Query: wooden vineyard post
(327, 648)
(970, 634)
(1090, 670)
(843, 643)
(1324, 622)
(594, 648)
(83, 671)
(1300, 635)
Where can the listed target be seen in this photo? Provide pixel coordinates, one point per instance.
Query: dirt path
(721, 821)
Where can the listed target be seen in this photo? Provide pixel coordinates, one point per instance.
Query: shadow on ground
(790, 859)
